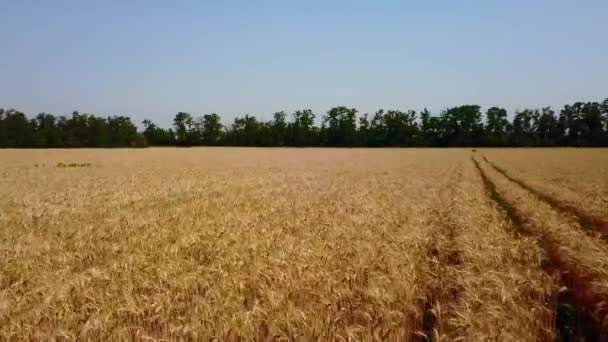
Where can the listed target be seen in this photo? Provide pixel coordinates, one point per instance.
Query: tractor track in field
(440, 289)
(578, 310)
(589, 221)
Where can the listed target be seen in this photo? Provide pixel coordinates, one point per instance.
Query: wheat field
(228, 244)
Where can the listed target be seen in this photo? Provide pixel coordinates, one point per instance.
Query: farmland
(319, 243)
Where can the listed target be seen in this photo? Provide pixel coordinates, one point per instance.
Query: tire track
(591, 222)
(441, 256)
(579, 308)
(504, 287)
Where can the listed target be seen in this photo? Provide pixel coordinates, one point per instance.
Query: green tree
(571, 124)
(48, 133)
(605, 121)
(364, 131)
(592, 130)
(341, 126)
(522, 133)
(301, 131)
(605, 113)
(426, 134)
(578, 124)
(462, 125)
(156, 136)
(140, 141)
(278, 129)
(401, 128)
(99, 132)
(77, 130)
(123, 132)
(244, 131)
(18, 129)
(377, 130)
(3, 130)
(183, 126)
(497, 126)
(546, 128)
(212, 129)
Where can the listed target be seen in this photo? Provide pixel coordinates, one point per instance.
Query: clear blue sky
(151, 59)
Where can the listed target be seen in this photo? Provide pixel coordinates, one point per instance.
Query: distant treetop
(579, 124)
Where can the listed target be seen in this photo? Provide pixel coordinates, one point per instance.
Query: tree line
(578, 124)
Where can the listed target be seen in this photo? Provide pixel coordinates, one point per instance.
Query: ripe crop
(307, 244)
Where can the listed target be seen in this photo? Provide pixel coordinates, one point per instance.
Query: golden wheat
(256, 244)
(578, 176)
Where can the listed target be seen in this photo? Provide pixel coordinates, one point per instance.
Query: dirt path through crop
(441, 258)
(594, 223)
(575, 260)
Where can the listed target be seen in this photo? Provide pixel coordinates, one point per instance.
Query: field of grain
(304, 244)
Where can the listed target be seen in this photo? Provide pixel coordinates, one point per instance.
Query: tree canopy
(578, 124)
